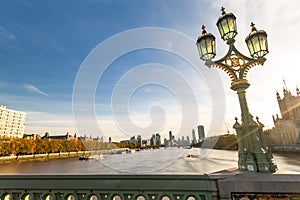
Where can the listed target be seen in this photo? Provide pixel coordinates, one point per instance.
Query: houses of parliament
(286, 130)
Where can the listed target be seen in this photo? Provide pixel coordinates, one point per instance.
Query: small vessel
(192, 156)
(130, 151)
(121, 152)
(85, 158)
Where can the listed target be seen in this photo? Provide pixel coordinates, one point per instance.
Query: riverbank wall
(286, 148)
(49, 156)
(36, 157)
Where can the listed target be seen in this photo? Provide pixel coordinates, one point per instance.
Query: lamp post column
(253, 155)
(246, 159)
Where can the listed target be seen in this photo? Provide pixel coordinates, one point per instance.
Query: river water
(155, 161)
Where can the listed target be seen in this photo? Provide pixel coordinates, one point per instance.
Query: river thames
(155, 161)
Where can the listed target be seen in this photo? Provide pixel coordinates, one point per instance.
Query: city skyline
(43, 46)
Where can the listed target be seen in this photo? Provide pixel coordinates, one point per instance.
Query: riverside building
(12, 123)
(286, 130)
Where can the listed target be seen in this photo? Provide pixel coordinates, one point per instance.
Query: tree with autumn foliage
(18, 146)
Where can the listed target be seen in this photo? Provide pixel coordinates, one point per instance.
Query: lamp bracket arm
(250, 62)
(227, 69)
(229, 52)
(235, 74)
(222, 65)
(234, 49)
(248, 65)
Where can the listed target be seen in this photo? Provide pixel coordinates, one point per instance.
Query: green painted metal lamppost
(253, 154)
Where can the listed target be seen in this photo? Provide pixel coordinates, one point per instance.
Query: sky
(122, 68)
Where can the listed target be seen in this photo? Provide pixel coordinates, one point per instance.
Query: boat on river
(192, 156)
(85, 158)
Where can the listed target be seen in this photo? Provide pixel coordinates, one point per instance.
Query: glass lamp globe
(257, 43)
(227, 25)
(206, 45)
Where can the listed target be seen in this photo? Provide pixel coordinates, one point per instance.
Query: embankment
(49, 156)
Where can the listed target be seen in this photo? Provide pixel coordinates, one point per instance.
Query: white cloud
(41, 122)
(32, 88)
(4, 33)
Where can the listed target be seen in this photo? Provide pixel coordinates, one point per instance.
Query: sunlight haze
(44, 46)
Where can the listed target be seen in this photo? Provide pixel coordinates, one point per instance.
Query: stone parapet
(233, 184)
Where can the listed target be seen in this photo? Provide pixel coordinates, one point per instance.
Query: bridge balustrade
(225, 185)
(105, 187)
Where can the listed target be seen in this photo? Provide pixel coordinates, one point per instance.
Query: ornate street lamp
(257, 43)
(227, 25)
(206, 45)
(253, 154)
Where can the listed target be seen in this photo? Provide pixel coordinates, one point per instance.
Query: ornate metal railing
(224, 185)
(105, 187)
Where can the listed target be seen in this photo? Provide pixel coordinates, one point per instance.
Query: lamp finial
(236, 120)
(253, 26)
(223, 10)
(203, 29)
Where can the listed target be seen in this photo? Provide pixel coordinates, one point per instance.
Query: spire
(284, 84)
(297, 91)
(278, 96)
(284, 87)
(285, 90)
(273, 117)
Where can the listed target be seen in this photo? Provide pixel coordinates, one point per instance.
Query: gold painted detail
(231, 74)
(236, 67)
(250, 66)
(241, 81)
(235, 62)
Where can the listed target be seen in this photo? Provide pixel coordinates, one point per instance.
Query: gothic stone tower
(289, 105)
(286, 129)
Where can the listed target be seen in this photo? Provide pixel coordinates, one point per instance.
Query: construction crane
(227, 125)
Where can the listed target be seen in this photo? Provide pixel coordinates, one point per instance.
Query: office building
(194, 141)
(201, 134)
(12, 123)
